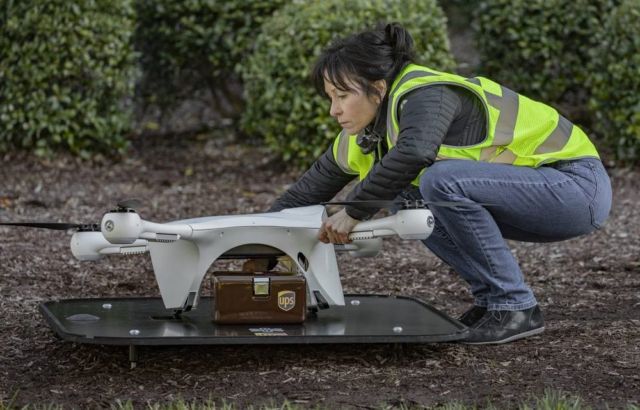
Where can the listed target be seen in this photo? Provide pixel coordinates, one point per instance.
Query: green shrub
(282, 106)
(541, 47)
(615, 82)
(459, 12)
(66, 72)
(188, 45)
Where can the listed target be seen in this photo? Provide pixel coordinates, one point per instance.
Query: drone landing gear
(312, 311)
(177, 313)
(175, 316)
(322, 302)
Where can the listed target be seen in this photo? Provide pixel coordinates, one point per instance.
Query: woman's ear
(381, 87)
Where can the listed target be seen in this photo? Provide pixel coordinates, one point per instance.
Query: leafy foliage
(66, 72)
(188, 44)
(541, 48)
(282, 106)
(615, 82)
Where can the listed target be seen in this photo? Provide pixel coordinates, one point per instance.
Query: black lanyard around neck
(372, 136)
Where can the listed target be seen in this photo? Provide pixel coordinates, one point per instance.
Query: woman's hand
(336, 228)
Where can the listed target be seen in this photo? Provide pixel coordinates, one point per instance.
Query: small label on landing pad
(268, 331)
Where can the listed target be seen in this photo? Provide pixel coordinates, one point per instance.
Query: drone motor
(121, 227)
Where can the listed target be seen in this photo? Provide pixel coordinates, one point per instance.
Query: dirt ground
(589, 290)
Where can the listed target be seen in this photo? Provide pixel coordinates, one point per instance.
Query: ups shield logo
(286, 300)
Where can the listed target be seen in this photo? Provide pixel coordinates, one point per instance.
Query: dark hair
(363, 58)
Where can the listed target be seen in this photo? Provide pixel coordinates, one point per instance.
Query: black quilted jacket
(428, 117)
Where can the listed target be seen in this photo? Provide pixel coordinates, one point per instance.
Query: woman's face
(353, 109)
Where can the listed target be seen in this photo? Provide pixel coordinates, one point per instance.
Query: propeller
(130, 203)
(58, 226)
(126, 205)
(404, 204)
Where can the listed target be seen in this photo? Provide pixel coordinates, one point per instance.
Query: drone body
(182, 251)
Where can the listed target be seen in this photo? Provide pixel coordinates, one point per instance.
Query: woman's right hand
(336, 228)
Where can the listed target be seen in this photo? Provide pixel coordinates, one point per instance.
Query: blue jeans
(545, 204)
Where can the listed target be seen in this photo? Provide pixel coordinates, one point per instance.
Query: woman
(415, 133)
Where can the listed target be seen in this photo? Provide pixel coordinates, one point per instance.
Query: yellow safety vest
(520, 131)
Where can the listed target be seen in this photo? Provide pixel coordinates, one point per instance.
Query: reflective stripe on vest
(341, 152)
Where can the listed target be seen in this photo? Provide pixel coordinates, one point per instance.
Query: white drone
(182, 251)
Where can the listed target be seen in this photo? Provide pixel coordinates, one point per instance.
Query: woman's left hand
(336, 228)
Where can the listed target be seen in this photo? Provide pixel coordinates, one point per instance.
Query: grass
(551, 400)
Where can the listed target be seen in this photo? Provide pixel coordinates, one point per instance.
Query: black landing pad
(145, 321)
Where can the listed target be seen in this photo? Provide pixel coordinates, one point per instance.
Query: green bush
(541, 48)
(615, 80)
(282, 105)
(66, 71)
(188, 45)
(459, 12)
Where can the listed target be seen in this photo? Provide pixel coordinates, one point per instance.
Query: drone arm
(165, 232)
(361, 247)
(139, 246)
(127, 227)
(407, 223)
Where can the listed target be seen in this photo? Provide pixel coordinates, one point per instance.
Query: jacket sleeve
(320, 183)
(425, 116)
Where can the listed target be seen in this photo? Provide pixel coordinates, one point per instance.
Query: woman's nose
(335, 110)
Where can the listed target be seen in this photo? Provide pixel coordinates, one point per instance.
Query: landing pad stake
(398, 351)
(133, 356)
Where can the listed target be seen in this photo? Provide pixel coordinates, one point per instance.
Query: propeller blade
(377, 203)
(59, 226)
(130, 203)
(407, 204)
(451, 204)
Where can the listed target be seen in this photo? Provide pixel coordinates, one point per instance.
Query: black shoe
(503, 326)
(471, 316)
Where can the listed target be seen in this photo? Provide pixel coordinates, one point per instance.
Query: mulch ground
(589, 290)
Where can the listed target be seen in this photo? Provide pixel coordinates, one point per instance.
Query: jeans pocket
(600, 204)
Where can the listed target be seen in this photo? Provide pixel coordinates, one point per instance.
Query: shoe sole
(510, 338)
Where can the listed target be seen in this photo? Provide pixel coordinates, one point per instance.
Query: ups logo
(286, 300)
